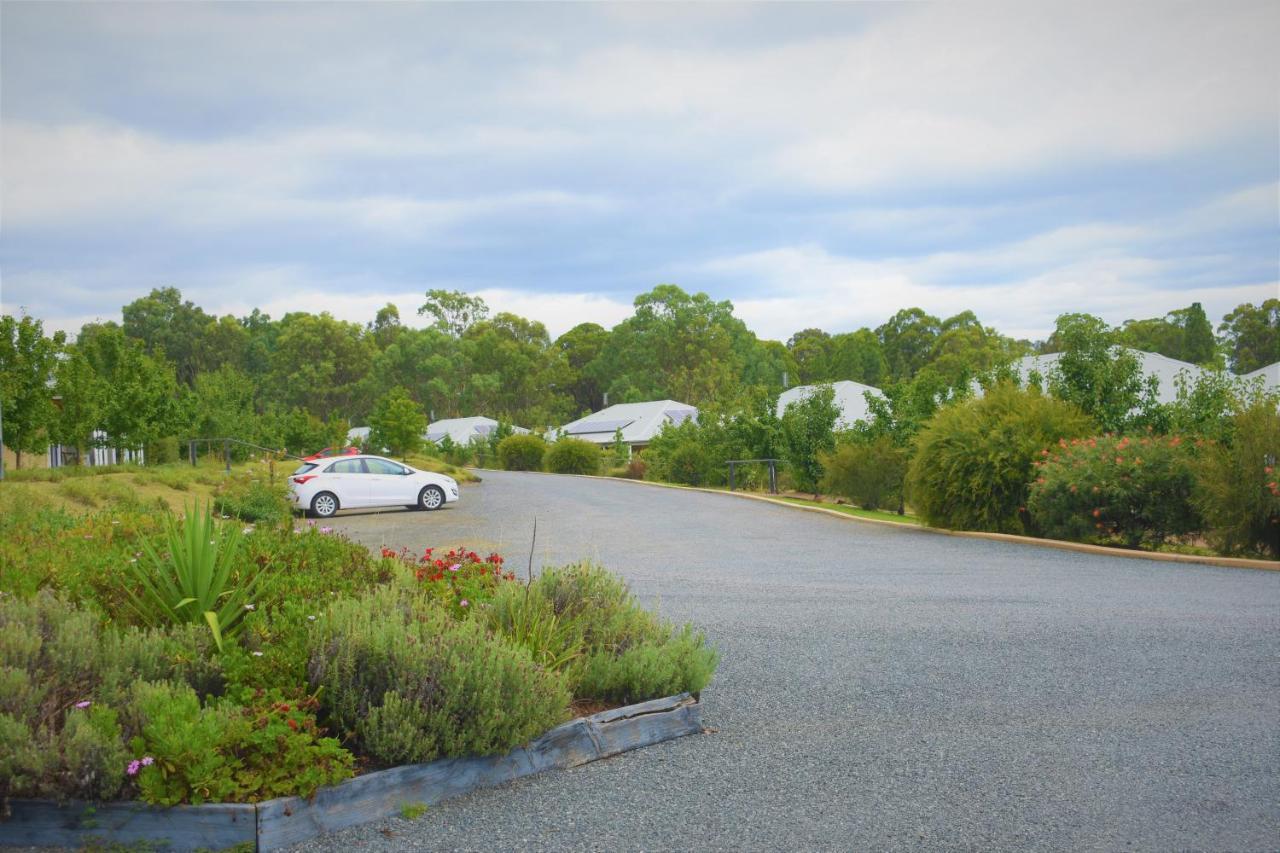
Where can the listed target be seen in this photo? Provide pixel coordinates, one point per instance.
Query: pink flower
(82, 705)
(133, 767)
(463, 603)
(326, 529)
(455, 567)
(147, 761)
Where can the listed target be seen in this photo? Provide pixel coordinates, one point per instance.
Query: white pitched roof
(463, 430)
(1163, 368)
(639, 422)
(1270, 376)
(849, 400)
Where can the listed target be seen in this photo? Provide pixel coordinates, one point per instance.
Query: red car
(331, 451)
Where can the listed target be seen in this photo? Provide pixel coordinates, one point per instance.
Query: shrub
(409, 683)
(628, 653)
(528, 620)
(974, 459)
(868, 473)
(573, 456)
(253, 499)
(459, 579)
(522, 452)
(1105, 488)
(679, 663)
(1239, 484)
(688, 464)
(635, 469)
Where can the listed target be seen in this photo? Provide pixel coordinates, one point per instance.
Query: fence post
(731, 476)
(773, 477)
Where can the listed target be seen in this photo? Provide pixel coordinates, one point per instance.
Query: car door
(389, 485)
(347, 478)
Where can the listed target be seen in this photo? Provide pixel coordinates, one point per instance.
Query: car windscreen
(304, 468)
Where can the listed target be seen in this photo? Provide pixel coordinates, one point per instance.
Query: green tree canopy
(28, 360)
(1252, 335)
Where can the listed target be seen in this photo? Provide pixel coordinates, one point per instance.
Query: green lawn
(876, 514)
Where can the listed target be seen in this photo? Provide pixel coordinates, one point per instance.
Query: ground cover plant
(200, 659)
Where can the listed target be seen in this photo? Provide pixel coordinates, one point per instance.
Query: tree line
(169, 369)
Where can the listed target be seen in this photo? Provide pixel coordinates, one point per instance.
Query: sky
(819, 165)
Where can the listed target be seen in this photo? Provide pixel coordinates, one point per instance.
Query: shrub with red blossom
(1136, 491)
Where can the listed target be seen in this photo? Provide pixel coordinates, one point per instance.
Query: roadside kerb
(279, 823)
(1059, 544)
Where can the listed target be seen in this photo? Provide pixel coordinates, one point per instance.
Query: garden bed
(286, 821)
(183, 663)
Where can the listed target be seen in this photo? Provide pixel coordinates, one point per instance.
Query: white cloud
(814, 289)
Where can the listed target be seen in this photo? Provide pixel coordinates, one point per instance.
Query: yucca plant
(194, 579)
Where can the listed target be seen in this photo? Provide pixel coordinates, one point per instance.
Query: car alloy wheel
(324, 505)
(432, 497)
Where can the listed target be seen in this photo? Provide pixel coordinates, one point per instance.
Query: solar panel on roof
(435, 437)
(587, 427)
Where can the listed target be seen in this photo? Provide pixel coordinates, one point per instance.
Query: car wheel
(324, 505)
(432, 497)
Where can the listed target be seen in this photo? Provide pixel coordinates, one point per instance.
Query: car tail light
(303, 479)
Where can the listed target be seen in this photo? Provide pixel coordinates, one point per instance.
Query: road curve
(887, 689)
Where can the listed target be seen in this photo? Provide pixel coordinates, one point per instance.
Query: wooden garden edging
(279, 823)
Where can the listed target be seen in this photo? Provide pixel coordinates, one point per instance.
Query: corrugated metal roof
(639, 422)
(849, 399)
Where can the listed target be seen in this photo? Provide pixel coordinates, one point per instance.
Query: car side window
(382, 466)
(347, 466)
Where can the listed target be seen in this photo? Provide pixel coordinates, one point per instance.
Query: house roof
(1166, 370)
(639, 422)
(463, 430)
(849, 400)
(1270, 376)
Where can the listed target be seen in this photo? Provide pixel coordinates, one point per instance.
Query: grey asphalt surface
(887, 689)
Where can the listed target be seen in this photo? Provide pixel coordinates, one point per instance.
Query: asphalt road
(888, 689)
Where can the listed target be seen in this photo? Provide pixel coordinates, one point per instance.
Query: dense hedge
(974, 459)
(869, 473)
(521, 452)
(573, 456)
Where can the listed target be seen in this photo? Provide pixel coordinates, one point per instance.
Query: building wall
(29, 460)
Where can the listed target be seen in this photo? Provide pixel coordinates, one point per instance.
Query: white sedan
(321, 487)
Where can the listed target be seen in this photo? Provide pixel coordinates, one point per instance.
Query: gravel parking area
(888, 689)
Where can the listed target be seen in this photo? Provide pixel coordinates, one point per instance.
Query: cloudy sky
(818, 165)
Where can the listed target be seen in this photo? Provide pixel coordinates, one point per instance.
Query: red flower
(1097, 513)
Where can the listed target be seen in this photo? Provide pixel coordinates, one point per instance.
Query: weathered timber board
(41, 823)
(292, 820)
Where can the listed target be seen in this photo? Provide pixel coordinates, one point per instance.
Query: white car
(321, 487)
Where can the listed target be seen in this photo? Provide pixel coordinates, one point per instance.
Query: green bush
(868, 473)
(163, 451)
(678, 663)
(253, 499)
(628, 653)
(1239, 484)
(688, 464)
(409, 683)
(1107, 488)
(522, 452)
(973, 460)
(573, 456)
